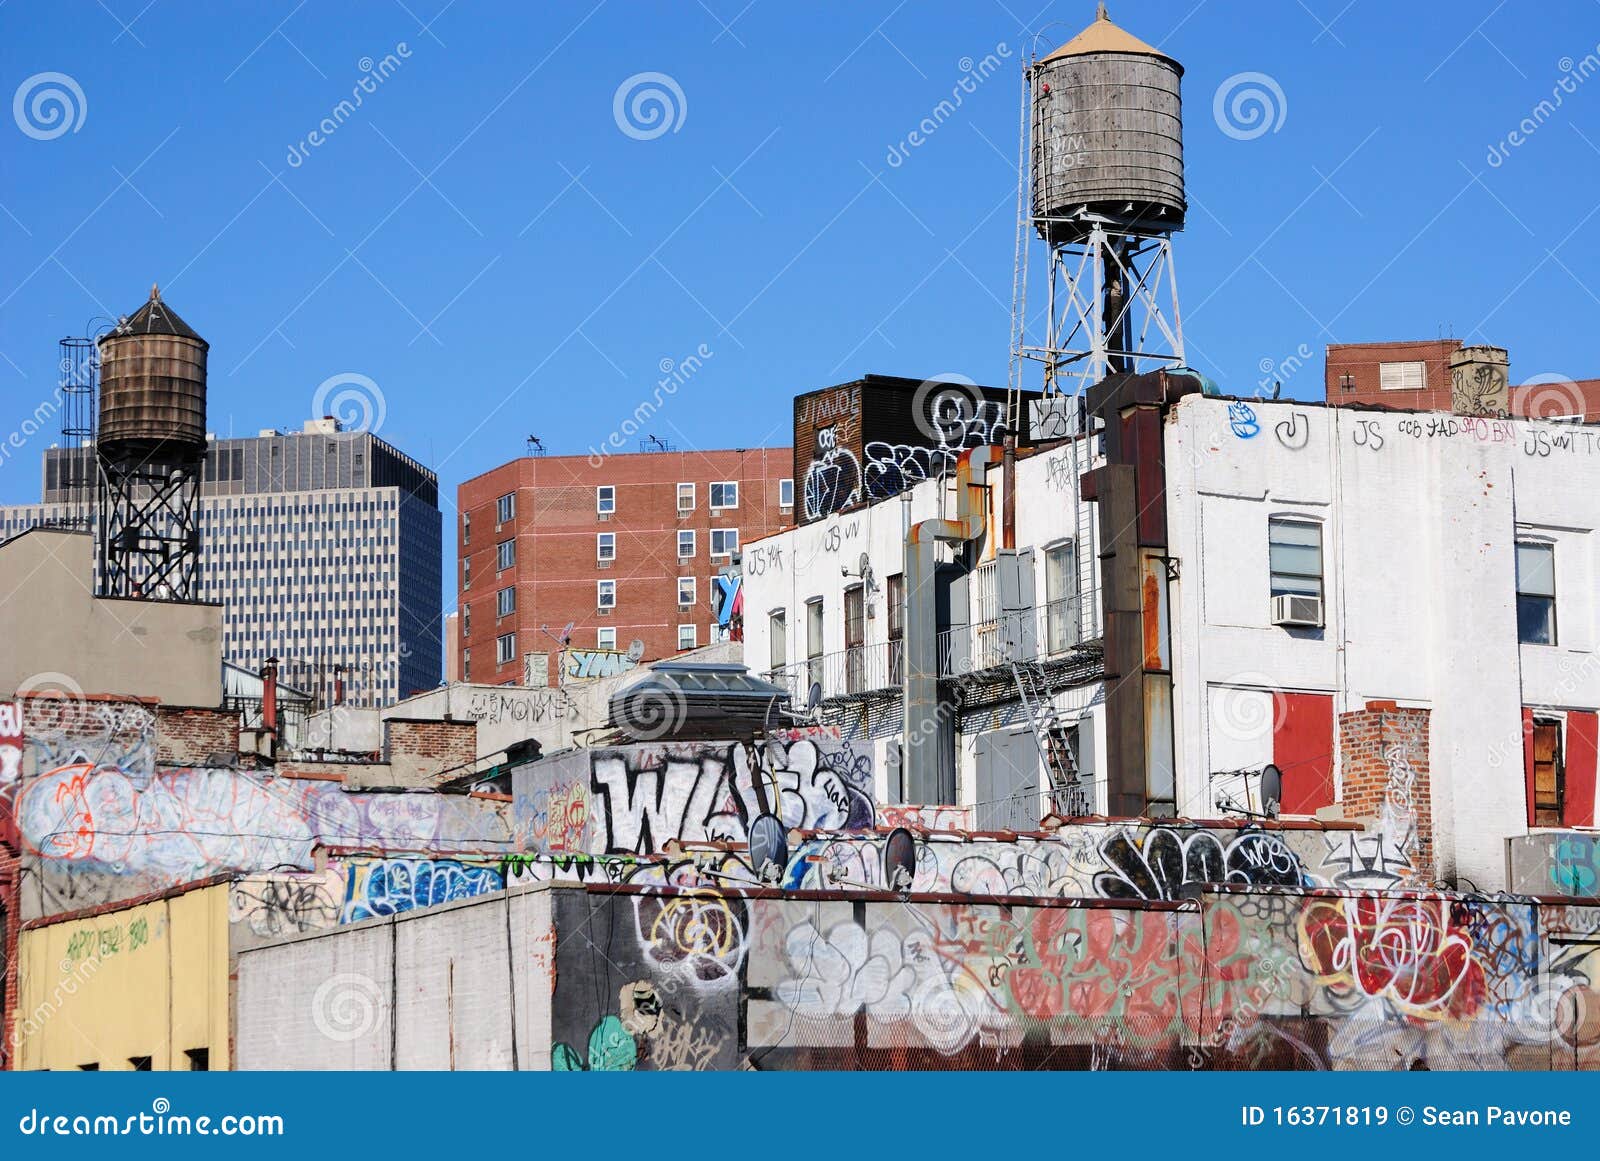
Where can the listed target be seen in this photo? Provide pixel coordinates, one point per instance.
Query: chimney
(1480, 381)
(269, 695)
(338, 684)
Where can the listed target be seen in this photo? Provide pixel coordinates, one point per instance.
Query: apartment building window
(505, 555)
(1549, 773)
(688, 635)
(606, 594)
(466, 620)
(605, 546)
(686, 591)
(896, 599)
(724, 542)
(1294, 548)
(777, 641)
(724, 494)
(1536, 593)
(855, 639)
(1402, 376)
(605, 499)
(605, 638)
(685, 498)
(813, 643)
(505, 648)
(505, 602)
(466, 572)
(505, 508)
(685, 543)
(466, 528)
(1061, 596)
(786, 493)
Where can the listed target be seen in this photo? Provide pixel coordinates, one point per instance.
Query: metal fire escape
(1067, 792)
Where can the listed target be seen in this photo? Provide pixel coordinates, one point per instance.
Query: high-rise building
(597, 562)
(323, 548)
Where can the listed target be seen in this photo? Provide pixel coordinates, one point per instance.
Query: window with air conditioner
(505, 508)
(685, 498)
(685, 544)
(505, 555)
(1410, 376)
(1536, 593)
(605, 547)
(1294, 548)
(724, 541)
(606, 594)
(724, 494)
(686, 591)
(605, 499)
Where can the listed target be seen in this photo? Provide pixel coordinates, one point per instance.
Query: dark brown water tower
(151, 448)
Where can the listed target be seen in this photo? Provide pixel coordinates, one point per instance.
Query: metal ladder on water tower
(1066, 788)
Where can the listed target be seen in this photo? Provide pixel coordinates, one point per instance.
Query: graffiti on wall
(11, 743)
(67, 731)
(832, 479)
(1556, 863)
(530, 706)
(390, 886)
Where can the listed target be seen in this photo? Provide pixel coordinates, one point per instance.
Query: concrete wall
(1420, 516)
(149, 980)
(620, 979)
(1554, 863)
(158, 650)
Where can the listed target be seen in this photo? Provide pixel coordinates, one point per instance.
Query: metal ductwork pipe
(924, 777)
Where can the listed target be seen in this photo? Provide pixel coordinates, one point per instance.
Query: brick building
(622, 548)
(1418, 376)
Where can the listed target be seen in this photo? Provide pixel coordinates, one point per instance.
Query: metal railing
(1043, 633)
(853, 672)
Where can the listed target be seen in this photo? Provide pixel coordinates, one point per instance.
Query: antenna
(535, 446)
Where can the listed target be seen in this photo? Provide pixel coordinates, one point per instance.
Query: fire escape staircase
(1050, 734)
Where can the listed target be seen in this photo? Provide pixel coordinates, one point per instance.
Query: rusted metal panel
(1155, 612)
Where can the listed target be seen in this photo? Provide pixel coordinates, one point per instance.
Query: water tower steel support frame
(149, 528)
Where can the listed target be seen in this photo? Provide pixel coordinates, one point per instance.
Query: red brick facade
(438, 744)
(189, 735)
(1353, 374)
(1383, 760)
(555, 526)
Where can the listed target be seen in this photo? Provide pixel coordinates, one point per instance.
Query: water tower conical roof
(1104, 36)
(154, 318)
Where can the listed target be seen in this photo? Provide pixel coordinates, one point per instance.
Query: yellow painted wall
(150, 980)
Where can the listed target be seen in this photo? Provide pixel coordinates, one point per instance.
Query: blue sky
(483, 242)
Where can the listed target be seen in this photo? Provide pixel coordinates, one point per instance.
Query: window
(1402, 376)
(605, 499)
(1549, 773)
(606, 594)
(1061, 596)
(466, 665)
(505, 648)
(466, 572)
(605, 638)
(1536, 593)
(1294, 548)
(199, 1059)
(724, 541)
(855, 629)
(505, 602)
(685, 543)
(685, 497)
(813, 643)
(466, 620)
(505, 555)
(466, 528)
(724, 494)
(897, 628)
(605, 546)
(777, 640)
(687, 637)
(505, 508)
(139, 1063)
(686, 590)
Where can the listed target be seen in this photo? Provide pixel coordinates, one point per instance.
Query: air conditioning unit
(1296, 611)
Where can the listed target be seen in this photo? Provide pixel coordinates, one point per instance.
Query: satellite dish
(899, 860)
(814, 695)
(635, 649)
(1271, 790)
(769, 847)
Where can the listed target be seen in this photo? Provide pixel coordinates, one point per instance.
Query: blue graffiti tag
(1242, 419)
